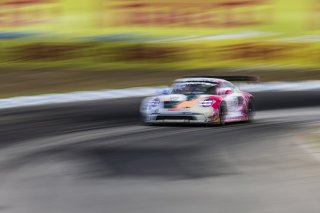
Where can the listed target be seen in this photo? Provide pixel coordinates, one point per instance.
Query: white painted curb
(140, 92)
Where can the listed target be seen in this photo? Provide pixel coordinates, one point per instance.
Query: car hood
(179, 101)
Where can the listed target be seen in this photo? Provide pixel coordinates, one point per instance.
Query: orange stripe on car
(187, 104)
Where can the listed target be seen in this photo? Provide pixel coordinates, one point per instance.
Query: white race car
(200, 99)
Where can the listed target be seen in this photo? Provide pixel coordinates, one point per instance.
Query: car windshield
(193, 88)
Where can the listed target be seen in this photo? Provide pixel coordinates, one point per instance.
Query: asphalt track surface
(98, 157)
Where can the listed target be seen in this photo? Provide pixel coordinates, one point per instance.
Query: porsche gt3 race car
(200, 99)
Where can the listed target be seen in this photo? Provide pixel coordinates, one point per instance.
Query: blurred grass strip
(160, 55)
(20, 82)
(29, 67)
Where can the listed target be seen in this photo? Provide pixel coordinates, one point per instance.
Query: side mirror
(228, 91)
(165, 91)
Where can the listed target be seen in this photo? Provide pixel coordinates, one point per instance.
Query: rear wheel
(222, 114)
(251, 110)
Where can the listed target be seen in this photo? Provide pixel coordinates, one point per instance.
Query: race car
(200, 99)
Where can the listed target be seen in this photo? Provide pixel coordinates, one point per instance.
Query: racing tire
(222, 114)
(146, 123)
(251, 110)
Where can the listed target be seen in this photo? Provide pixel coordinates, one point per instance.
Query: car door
(233, 99)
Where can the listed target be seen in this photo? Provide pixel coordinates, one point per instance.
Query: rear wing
(253, 79)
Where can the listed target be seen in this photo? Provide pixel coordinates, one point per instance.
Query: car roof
(199, 80)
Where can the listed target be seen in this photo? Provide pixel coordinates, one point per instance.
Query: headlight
(206, 103)
(154, 102)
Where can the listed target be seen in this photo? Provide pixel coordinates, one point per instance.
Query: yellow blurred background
(170, 34)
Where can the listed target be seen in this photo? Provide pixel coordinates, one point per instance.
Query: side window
(212, 90)
(227, 85)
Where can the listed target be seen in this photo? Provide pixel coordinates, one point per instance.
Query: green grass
(23, 81)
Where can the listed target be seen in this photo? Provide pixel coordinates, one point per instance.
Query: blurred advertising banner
(159, 17)
(168, 33)
(190, 14)
(29, 15)
(46, 17)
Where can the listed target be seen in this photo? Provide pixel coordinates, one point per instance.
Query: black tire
(251, 110)
(222, 114)
(144, 121)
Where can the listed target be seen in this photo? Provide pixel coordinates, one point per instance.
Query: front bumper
(176, 118)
